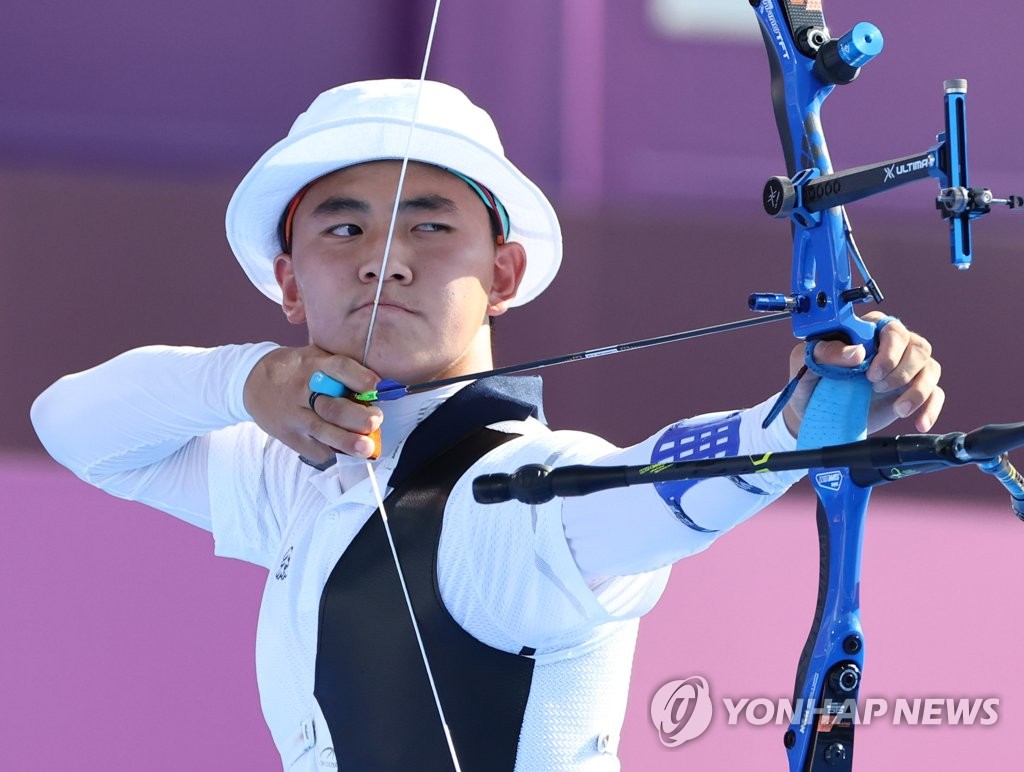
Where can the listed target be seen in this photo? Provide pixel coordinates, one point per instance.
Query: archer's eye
(345, 229)
(432, 227)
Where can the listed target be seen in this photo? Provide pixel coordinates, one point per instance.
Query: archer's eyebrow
(337, 204)
(428, 203)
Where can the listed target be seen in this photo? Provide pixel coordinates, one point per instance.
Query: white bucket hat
(370, 121)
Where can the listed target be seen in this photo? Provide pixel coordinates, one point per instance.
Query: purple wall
(128, 124)
(201, 86)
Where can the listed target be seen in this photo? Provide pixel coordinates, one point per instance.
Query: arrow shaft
(398, 390)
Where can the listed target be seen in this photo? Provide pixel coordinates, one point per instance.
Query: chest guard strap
(370, 681)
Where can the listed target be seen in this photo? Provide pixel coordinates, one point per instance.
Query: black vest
(371, 684)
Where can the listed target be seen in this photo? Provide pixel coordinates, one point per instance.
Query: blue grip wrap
(837, 413)
(838, 409)
(321, 383)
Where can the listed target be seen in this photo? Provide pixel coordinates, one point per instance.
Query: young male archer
(528, 613)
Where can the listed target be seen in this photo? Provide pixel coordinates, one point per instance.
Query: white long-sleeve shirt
(167, 427)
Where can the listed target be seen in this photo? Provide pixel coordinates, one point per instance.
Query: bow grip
(838, 409)
(837, 412)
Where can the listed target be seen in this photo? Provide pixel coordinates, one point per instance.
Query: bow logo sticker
(831, 480)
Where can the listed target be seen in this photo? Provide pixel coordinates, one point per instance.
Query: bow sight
(810, 192)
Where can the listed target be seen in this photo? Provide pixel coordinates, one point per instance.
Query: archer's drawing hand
(904, 376)
(276, 394)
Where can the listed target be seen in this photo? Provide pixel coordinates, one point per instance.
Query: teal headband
(490, 201)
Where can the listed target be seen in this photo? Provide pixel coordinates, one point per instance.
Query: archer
(528, 621)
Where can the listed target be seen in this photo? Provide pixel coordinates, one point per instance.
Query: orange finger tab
(375, 436)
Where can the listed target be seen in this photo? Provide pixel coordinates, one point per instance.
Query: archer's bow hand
(277, 396)
(904, 375)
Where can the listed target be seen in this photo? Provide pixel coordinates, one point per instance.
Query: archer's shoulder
(539, 444)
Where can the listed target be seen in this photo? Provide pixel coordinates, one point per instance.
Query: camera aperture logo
(681, 710)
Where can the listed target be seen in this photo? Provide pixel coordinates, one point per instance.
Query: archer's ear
(291, 302)
(509, 267)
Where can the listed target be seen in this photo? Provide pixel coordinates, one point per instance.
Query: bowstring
(366, 353)
(401, 181)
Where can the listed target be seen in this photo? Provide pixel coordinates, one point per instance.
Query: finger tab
(375, 438)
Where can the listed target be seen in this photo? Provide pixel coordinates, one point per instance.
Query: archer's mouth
(383, 307)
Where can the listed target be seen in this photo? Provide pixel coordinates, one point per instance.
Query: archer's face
(444, 276)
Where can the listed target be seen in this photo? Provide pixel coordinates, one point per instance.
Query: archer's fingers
(901, 355)
(924, 417)
(336, 439)
(344, 424)
(311, 450)
(838, 353)
(930, 411)
(348, 414)
(923, 399)
(920, 390)
(349, 372)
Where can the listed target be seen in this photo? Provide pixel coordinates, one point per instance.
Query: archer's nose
(395, 269)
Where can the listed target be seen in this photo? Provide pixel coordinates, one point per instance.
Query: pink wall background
(124, 127)
(128, 646)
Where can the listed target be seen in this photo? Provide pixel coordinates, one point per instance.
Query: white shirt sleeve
(633, 530)
(139, 425)
(549, 575)
(506, 571)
